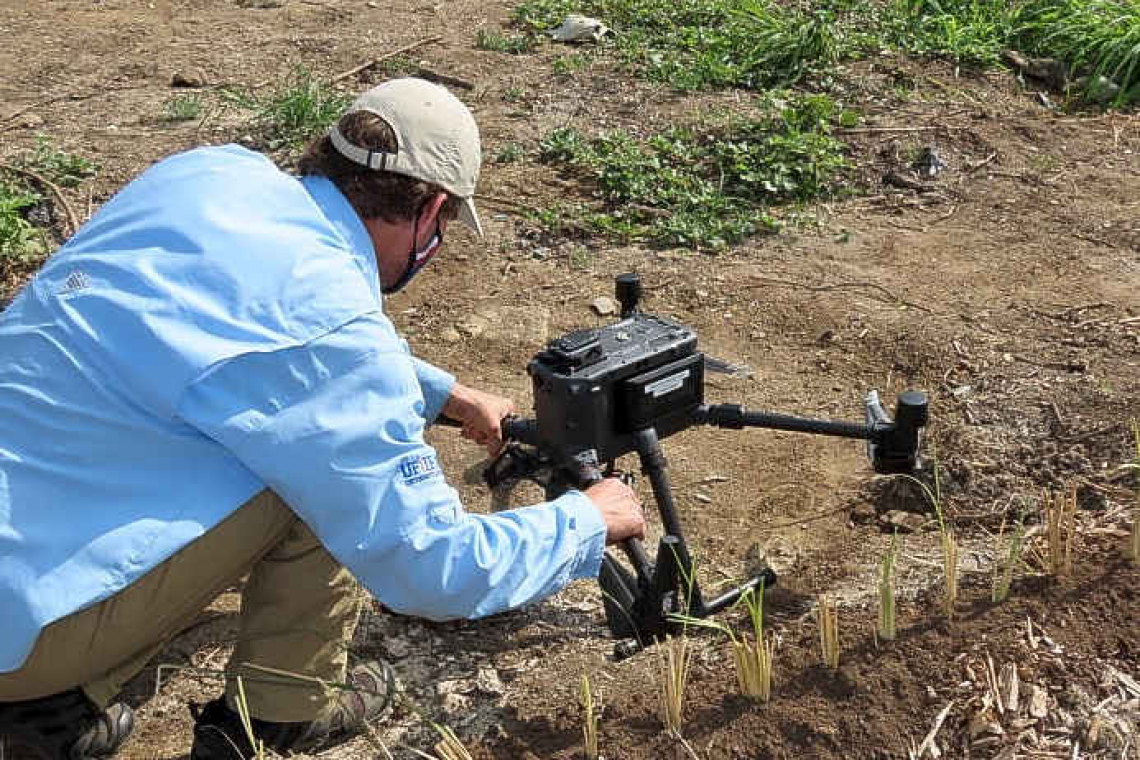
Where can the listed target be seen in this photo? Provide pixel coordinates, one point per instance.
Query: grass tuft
(754, 660)
(502, 43)
(1099, 40)
(1009, 550)
(1060, 530)
(185, 107)
(887, 591)
(674, 659)
(299, 110)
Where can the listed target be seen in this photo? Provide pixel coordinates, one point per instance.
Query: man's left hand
(481, 415)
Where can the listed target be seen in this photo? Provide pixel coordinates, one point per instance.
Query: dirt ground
(1005, 287)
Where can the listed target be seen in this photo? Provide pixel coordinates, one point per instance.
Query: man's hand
(620, 508)
(481, 415)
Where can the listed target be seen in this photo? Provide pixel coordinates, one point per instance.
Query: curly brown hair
(374, 194)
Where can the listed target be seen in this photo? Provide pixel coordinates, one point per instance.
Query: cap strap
(376, 160)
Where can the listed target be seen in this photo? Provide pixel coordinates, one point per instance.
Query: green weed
(1097, 39)
(704, 186)
(63, 168)
(503, 43)
(690, 44)
(183, 107)
(20, 240)
(509, 153)
(300, 109)
(568, 65)
(966, 31)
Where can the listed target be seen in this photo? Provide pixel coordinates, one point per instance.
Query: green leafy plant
(509, 153)
(183, 107)
(20, 240)
(59, 166)
(503, 43)
(707, 185)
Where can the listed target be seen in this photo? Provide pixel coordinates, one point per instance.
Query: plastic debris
(576, 28)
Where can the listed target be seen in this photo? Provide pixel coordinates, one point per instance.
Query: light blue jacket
(216, 329)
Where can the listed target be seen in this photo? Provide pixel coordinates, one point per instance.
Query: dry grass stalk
(674, 656)
(449, 747)
(1134, 544)
(828, 631)
(754, 667)
(950, 571)
(1060, 527)
(887, 592)
(589, 719)
(1011, 559)
(247, 724)
(754, 660)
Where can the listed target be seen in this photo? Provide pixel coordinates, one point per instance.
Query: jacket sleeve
(435, 384)
(335, 428)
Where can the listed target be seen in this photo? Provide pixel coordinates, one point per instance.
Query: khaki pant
(298, 612)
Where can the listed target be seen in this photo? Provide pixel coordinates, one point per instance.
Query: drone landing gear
(649, 604)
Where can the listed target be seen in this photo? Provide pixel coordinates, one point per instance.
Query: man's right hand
(620, 508)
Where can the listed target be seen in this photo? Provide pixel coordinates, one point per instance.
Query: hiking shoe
(219, 734)
(64, 726)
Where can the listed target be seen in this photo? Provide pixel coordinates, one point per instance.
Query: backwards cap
(437, 140)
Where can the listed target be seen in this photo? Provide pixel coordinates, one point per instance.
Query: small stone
(488, 681)
(702, 497)
(450, 335)
(907, 522)
(473, 326)
(30, 121)
(604, 306)
(190, 78)
(397, 648)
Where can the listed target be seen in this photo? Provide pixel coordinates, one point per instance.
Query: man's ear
(431, 208)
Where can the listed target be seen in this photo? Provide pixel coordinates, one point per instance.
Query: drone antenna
(627, 288)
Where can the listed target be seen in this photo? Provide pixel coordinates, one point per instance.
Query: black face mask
(417, 260)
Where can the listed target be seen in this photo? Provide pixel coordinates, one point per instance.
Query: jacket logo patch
(418, 469)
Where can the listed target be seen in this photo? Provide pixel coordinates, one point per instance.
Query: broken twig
(369, 64)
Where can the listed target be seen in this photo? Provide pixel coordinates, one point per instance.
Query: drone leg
(653, 465)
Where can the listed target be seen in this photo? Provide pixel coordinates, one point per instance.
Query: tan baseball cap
(436, 135)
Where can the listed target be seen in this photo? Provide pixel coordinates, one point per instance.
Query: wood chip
(1038, 702)
(1008, 683)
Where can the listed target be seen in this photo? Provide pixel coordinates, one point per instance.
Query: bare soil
(1006, 287)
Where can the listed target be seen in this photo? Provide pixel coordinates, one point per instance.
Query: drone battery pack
(594, 388)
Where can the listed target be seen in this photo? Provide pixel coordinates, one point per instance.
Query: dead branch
(839, 286)
(71, 218)
(928, 742)
(889, 130)
(369, 64)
